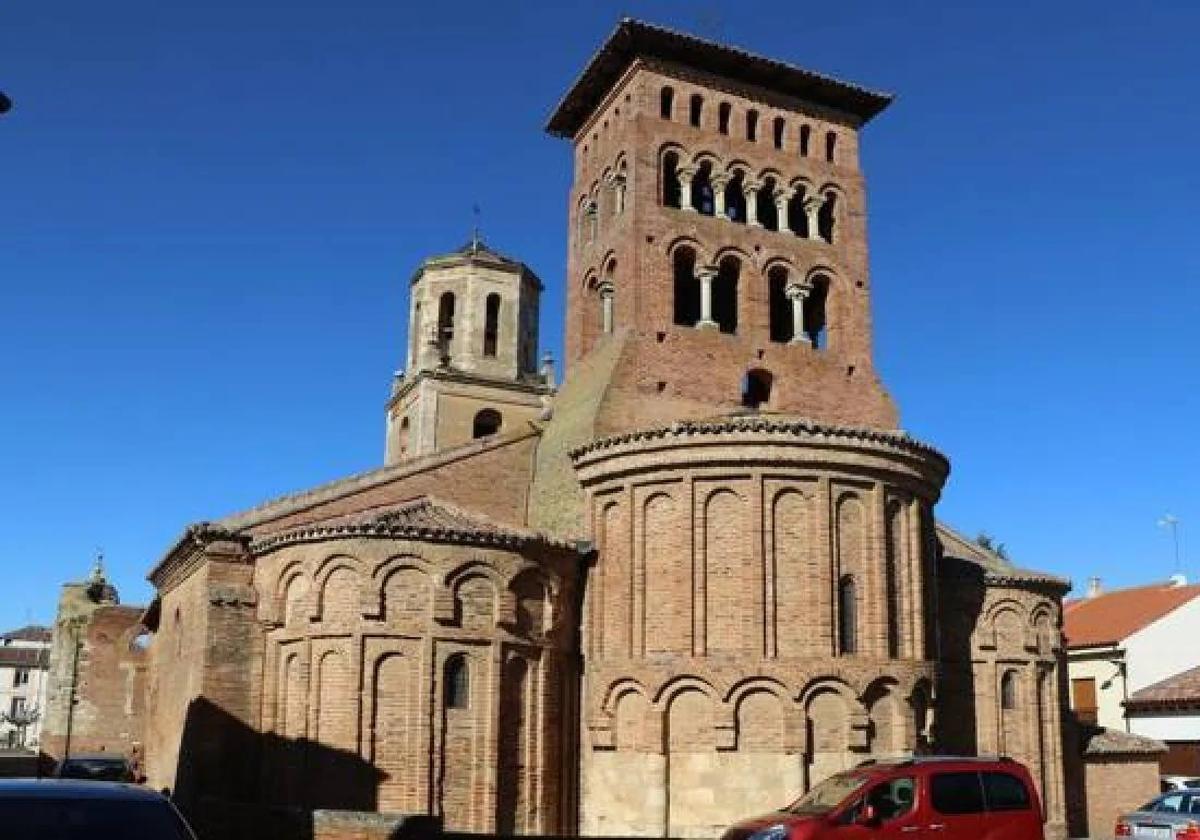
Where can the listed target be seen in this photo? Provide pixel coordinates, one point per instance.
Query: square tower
(718, 230)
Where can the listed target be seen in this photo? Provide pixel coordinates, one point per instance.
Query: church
(698, 575)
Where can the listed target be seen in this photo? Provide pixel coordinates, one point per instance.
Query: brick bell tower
(762, 608)
(718, 225)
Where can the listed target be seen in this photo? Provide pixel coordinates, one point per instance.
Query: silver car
(1166, 817)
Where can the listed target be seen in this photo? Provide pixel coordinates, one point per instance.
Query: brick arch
(676, 685)
(688, 242)
(326, 569)
(274, 593)
(834, 680)
(741, 688)
(530, 618)
(802, 181)
(771, 172)
(503, 604)
(705, 156)
(617, 689)
(737, 165)
(375, 600)
(727, 251)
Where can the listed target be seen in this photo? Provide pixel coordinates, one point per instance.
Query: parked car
(1170, 783)
(62, 809)
(943, 797)
(1169, 816)
(96, 767)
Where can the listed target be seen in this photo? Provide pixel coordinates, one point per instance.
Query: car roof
(75, 789)
(95, 756)
(967, 761)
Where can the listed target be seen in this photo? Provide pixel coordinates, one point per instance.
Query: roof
(75, 789)
(634, 39)
(423, 518)
(1176, 692)
(996, 570)
(1109, 618)
(1097, 741)
(29, 633)
(24, 657)
(475, 252)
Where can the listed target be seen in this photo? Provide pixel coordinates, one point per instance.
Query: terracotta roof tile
(1107, 619)
(28, 657)
(1099, 741)
(1179, 691)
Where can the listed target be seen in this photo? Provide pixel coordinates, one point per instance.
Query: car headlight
(774, 832)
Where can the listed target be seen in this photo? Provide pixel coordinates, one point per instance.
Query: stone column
(750, 190)
(797, 292)
(616, 181)
(606, 306)
(719, 183)
(812, 209)
(706, 275)
(593, 217)
(782, 196)
(685, 175)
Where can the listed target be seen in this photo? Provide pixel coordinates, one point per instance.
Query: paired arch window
(689, 291)
(666, 102)
(487, 423)
(847, 615)
(491, 325)
(457, 683)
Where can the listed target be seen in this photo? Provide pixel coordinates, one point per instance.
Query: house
(24, 662)
(1124, 641)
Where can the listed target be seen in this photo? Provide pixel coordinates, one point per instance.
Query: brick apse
(698, 576)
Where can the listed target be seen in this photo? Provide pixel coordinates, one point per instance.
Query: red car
(924, 798)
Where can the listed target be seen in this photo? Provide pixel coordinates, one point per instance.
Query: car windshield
(95, 769)
(827, 795)
(87, 819)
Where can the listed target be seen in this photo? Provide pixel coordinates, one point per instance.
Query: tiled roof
(1179, 691)
(633, 39)
(416, 519)
(1108, 618)
(24, 657)
(995, 569)
(29, 633)
(1098, 741)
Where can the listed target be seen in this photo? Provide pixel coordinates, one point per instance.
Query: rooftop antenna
(1171, 521)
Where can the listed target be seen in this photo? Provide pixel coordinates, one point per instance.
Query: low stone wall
(1116, 785)
(358, 825)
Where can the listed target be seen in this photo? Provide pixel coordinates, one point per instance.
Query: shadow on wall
(962, 595)
(233, 783)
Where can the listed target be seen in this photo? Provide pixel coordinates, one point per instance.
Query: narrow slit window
(458, 683)
(491, 327)
(780, 125)
(847, 615)
(805, 139)
(695, 110)
(752, 125)
(830, 146)
(723, 113)
(666, 103)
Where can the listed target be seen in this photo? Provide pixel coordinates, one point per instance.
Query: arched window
(778, 132)
(491, 325)
(723, 113)
(487, 422)
(666, 102)
(780, 307)
(797, 219)
(830, 146)
(446, 321)
(695, 109)
(756, 388)
(815, 326)
(768, 212)
(826, 216)
(687, 288)
(1008, 691)
(670, 180)
(735, 198)
(752, 125)
(457, 688)
(725, 294)
(805, 139)
(847, 615)
(702, 191)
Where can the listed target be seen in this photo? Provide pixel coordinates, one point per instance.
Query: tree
(21, 719)
(984, 540)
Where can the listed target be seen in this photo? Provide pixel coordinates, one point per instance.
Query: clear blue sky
(208, 212)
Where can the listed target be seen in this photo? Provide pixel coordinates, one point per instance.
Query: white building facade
(24, 669)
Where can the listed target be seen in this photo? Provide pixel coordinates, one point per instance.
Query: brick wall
(1116, 785)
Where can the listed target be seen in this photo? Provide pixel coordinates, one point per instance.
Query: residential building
(24, 665)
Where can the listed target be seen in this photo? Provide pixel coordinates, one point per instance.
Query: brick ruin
(707, 563)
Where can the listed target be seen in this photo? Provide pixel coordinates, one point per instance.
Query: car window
(89, 819)
(893, 798)
(1005, 792)
(1171, 804)
(827, 795)
(1192, 783)
(957, 793)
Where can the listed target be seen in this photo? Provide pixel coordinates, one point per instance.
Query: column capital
(749, 186)
(707, 272)
(785, 193)
(798, 289)
(814, 202)
(685, 173)
(606, 289)
(720, 180)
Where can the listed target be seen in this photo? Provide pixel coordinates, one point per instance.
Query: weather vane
(475, 230)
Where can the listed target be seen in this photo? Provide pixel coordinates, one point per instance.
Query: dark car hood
(742, 830)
